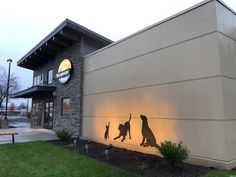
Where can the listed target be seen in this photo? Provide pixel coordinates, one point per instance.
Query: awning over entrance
(35, 90)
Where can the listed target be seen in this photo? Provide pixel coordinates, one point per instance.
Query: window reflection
(66, 107)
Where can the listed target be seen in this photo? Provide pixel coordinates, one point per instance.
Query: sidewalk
(27, 135)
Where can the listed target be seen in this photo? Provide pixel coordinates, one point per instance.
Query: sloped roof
(64, 35)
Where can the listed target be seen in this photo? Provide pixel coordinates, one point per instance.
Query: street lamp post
(8, 81)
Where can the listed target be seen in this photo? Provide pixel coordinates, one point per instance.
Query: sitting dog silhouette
(106, 134)
(124, 129)
(148, 136)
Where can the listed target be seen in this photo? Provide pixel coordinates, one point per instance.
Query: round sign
(64, 71)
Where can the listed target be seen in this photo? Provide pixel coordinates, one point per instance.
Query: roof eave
(27, 93)
(66, 25)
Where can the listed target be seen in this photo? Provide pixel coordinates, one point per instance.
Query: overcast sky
(26, 22)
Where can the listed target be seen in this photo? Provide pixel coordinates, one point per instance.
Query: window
(35, 80)
(41, 80)
(66, 107)
(50, 76)
(38, 80)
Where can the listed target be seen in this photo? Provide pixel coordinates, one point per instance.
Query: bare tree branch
(13, 84)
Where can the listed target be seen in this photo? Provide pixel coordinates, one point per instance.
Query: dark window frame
(38, 79)
(51, 81)
(62, 104)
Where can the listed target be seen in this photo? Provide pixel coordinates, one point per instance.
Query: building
(174, 80)
(57, 62)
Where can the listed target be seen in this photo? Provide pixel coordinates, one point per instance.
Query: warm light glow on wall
(116, 110)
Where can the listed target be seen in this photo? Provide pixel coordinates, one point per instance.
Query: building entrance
(42, 114)
(37, 114)
(48, 115)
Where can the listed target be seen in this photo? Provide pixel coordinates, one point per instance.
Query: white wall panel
(197, 58)
(180, 73)
(195, 23)
(198, 99)
(226, 21)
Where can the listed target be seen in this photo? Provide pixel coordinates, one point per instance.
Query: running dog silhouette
(148, 136)
(124, 129)
(106, 134)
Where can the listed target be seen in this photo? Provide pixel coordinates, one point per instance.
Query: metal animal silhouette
(106, 134)
(148, 136)
(124, 130)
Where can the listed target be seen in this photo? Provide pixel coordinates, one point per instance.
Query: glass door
(37, 114)
(48, 115)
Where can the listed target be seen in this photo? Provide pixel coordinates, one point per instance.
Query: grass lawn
(41, 159)
(221, 173)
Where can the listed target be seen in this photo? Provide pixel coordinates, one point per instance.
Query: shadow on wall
(148, 138)
(124, 130)
(106, 134)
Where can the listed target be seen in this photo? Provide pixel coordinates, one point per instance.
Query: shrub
(174, 153)
(64, 135)
(28, 115)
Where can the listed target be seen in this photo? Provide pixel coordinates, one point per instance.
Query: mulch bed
(145, 165)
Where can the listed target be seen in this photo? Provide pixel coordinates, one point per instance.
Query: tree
(22, 106)
(12, 108)
(13, 84)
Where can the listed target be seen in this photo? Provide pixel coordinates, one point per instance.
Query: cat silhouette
(148, 136)
(106, 134)
(124, 130)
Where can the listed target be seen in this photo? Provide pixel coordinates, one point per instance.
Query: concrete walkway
(27, 135)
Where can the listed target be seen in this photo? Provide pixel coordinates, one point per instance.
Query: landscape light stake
(75, 143)
(107, 151)
(87, 146)
(8, 81)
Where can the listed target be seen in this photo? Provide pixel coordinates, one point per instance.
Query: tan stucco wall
(172, 72)
(226, 22)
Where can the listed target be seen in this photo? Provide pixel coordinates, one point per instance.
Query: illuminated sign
(64, 71)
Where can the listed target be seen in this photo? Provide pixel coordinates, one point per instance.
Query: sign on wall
(64, 71)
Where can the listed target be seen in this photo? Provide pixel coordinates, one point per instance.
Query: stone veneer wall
(72, 89)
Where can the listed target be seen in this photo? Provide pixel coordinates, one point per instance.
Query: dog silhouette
(106, 134)
(148, 136)
(124, 130)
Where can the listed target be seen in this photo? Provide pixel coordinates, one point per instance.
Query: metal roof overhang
(35, 90)
(66, 34)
